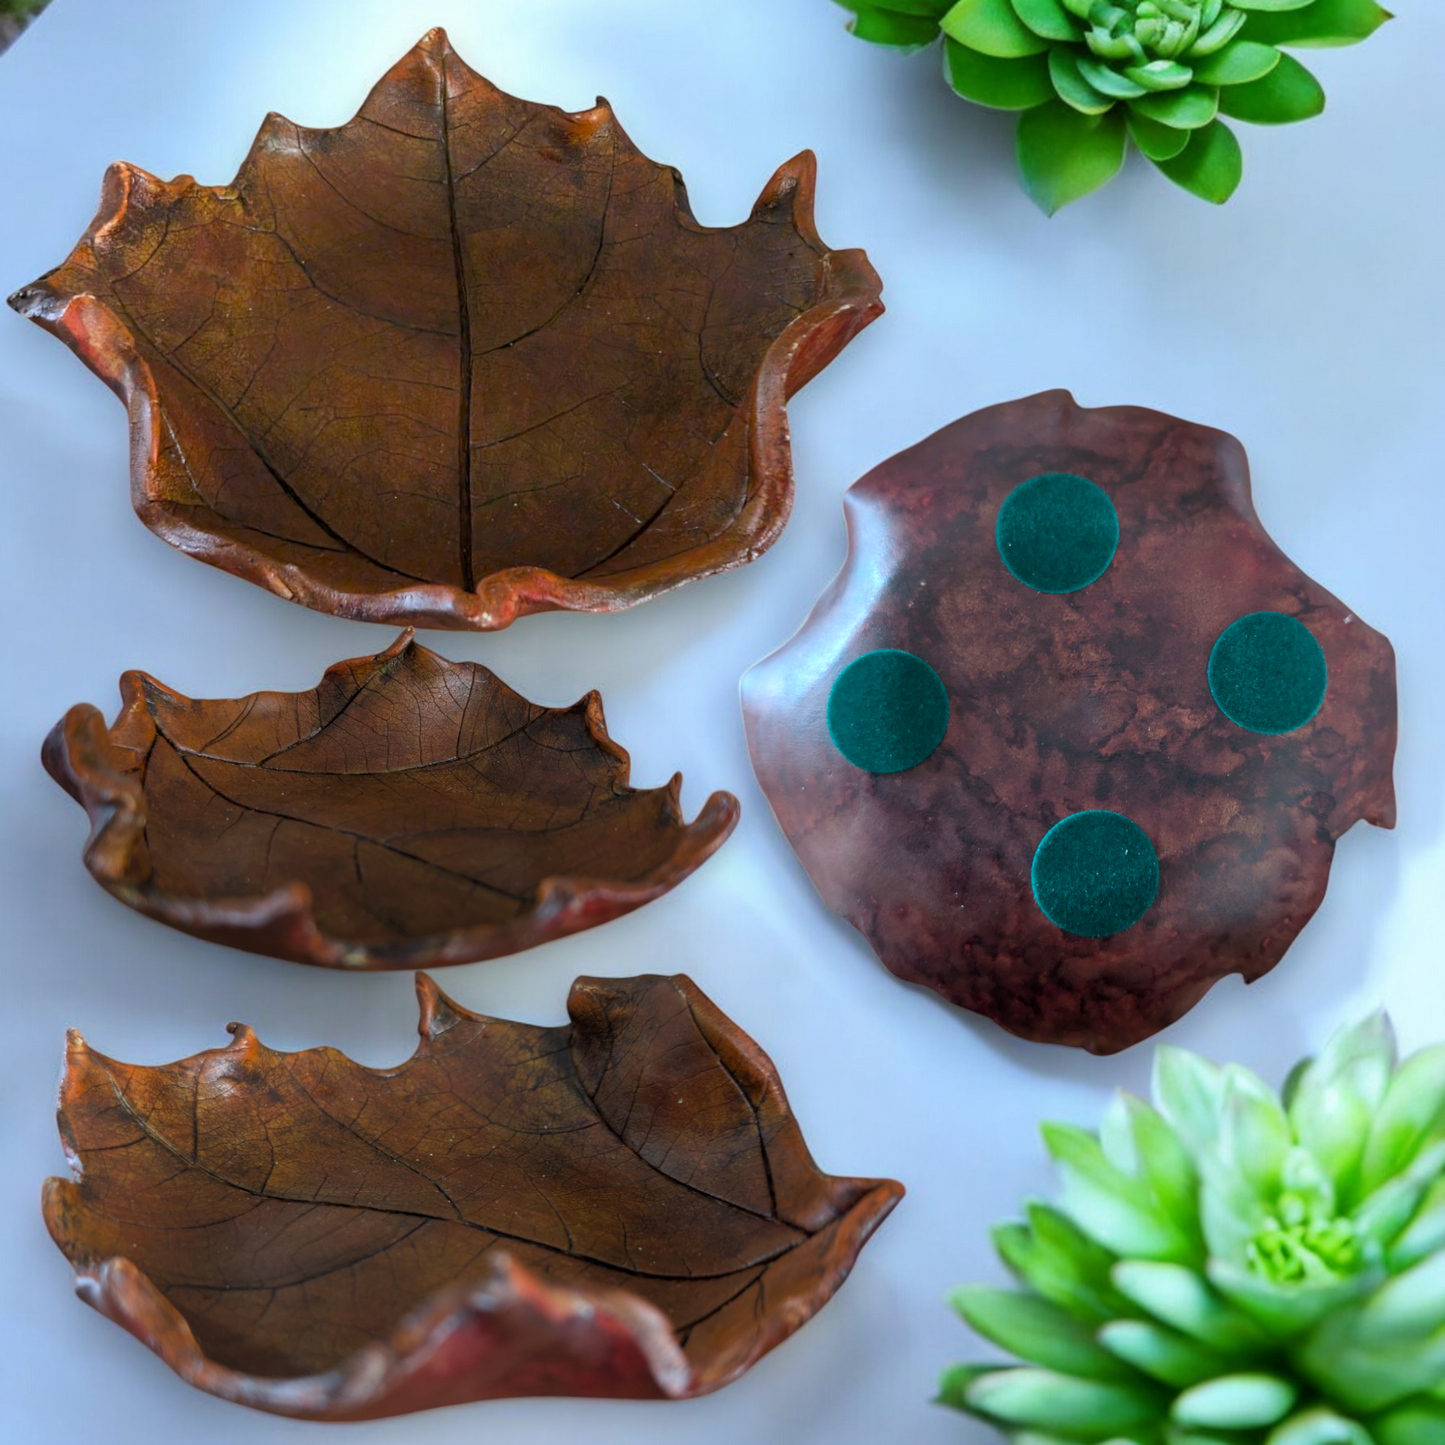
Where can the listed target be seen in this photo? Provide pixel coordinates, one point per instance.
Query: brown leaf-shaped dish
(463, 358)
(623, 1206)
(1068, 714)
(406, 811)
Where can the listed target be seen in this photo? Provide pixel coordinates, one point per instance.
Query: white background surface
(1305, 317)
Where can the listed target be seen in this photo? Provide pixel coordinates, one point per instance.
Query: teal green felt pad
(887, 711)
(1267, 673)
(1057, 532)
(1095, 873)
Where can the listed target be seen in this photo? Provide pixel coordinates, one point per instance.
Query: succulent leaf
(1179, 1297)
(1339, 1093)
(1409, 1119)
(1106, 80)
(1189, 1092)
(992, 27)
(1161, 1353)
(954, 1382)
(1088, 1410)
(1364, 1378)
(1158, 142)
(1219, 34)
(1419, 1423)
(1236, 1402)
(1236, 63)
(1382, 1216)
(1210, 165)
(1071, 86)
(887, 27)
(1059, 1262)
(1190, 109)
(1288, 93)
(1284, 1310)
(1166, 1165)
(931, 9)
(1049, 19)
(998, 84)
(1326, 22)
(1254, 1130)
(1319, 1427)
(1118, 1210)
(1426, 1232)
(1275, 1273)
(1408, 1308)
(1035, 1330)
(1063, 155)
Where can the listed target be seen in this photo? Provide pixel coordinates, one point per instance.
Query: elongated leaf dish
(623, 1206)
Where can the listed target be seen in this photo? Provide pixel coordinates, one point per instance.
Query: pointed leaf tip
(1064, 155)
(1289, 93)
(438, 1012)
(1210, 166)
(1323, 23)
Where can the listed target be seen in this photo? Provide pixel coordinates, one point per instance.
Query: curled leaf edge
(849, 300)
(282, 923)
(581, 1325)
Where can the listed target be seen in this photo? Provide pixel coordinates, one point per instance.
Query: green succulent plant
(1228, 1267)
(1090, 76)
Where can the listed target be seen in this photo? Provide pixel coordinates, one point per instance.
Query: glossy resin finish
(1095, 699)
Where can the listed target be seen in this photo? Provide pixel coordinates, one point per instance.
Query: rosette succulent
(1226, 1267)
(1090, 76)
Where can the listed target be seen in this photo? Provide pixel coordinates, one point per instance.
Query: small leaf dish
(406, 811)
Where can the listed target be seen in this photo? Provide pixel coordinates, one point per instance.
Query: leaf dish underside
(406, 811)
(1061, 704)
(623, 1206)
(463, 358)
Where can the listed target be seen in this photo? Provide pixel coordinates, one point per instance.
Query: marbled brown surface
(1093, 699)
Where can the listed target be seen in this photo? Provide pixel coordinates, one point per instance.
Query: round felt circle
(1095, 873)
(887, 711)
(1057, 532)
(1267, 673)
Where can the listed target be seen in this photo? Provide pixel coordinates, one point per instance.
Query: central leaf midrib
(464, 337)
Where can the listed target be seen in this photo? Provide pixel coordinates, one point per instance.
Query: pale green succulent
(1091, 76)
(1227, 1268)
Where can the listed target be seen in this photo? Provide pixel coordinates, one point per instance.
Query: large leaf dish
(463, 358)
